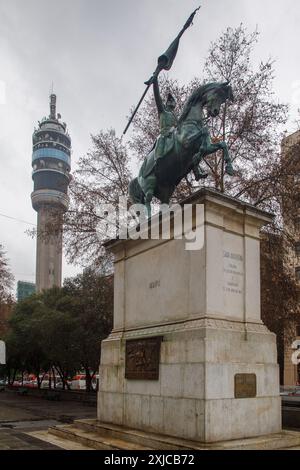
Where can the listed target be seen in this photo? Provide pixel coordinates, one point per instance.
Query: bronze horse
(190, 144)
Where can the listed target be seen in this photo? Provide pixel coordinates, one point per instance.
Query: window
(297, 223)
(297, 248)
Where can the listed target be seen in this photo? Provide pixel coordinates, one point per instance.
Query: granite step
(93, 440)
(96, 435)
(147, 440)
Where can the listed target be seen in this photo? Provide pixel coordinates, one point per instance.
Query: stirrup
(199, 174)
(203, 175)
(229, 170)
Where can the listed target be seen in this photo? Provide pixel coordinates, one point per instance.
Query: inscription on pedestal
(233, 272)
(245, 385)
(142, 358)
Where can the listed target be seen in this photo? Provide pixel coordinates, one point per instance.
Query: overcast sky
(98, 53)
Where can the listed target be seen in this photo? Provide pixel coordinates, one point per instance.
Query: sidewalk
(20, 415)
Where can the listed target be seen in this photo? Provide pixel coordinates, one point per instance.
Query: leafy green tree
(62, 328)
(92, 295)
(59, 338)
(25, 338)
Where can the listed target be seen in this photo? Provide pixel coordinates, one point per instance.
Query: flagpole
(136, 109)
(161, 67)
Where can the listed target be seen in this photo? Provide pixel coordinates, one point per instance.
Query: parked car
(45, 384)
(17, 383)
(2, 385)
(26, 382)
(32, 384)
(59, 384)
(78, 384)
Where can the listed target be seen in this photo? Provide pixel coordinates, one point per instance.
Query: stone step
(61, 443)
(96, 435)
(93, 440)
(147, 440)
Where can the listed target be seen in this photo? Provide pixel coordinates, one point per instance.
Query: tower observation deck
(51, 163)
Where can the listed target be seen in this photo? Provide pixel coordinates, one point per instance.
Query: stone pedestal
(217, 377)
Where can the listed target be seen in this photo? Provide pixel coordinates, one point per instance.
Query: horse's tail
(135, 192)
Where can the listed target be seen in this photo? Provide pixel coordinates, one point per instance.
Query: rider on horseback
(167, 123)
(179, 150)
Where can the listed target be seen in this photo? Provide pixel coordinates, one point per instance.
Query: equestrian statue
(184, 141)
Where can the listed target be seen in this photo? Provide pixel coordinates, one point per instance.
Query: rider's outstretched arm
(158, 100)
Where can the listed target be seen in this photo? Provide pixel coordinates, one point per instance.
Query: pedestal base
(195, 395)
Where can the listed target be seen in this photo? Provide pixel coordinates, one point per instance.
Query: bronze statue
(183, 147)
(183, 142)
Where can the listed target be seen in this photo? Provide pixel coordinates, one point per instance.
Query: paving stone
(22, 415)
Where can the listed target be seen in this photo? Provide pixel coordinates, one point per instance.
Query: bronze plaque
(245, 385)
(142, 358)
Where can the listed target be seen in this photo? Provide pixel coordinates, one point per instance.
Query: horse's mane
(195, 96)
(198, 93)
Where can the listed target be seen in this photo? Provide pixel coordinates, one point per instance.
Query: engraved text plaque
(245, 385)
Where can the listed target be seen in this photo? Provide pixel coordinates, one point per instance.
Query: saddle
(163, 145)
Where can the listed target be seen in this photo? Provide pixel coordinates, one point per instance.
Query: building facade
(51, 164)
(24, 290)
(291, 217)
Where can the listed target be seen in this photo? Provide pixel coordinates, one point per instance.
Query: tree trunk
(14, 376)
(8, 374)
(88, 380)
(61, 374)
(54, 377)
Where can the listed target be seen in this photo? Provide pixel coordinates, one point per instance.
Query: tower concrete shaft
(51, 162)
(49, 246)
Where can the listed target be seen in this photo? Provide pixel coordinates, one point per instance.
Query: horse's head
(214, 95)
(210, 95)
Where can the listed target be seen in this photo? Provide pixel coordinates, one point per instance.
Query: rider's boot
(229, 169)
(199, 173)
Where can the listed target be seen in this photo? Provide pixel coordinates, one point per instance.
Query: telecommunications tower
(51, 163)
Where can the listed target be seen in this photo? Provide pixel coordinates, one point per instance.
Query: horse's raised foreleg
(207, 148)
